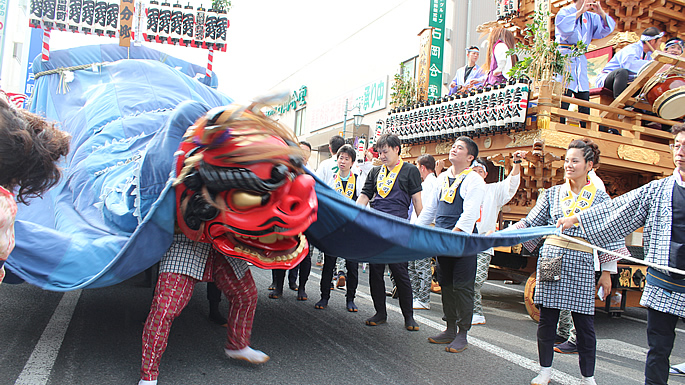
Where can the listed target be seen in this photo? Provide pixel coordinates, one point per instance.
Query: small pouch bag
(550, 269)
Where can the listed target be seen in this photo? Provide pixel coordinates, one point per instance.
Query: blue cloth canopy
(112, 214)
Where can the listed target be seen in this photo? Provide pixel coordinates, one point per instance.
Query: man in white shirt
(455, 205)
(420, 270)
(329, 167)
(469, 74)
(496, 195)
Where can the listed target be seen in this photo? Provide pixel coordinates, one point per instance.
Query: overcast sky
(268, 40)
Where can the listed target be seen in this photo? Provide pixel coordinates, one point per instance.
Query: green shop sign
(437, 22)
(295, 101)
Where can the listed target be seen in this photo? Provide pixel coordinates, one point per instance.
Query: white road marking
(506, 287)
(557, 375)
(623, 349)
(38, 367)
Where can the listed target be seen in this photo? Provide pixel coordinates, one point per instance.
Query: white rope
(632, 259)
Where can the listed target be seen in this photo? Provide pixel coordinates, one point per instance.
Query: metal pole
(345, 119)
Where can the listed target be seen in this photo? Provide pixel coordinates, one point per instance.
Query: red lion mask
(242, 188)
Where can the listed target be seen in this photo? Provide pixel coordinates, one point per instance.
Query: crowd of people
(456, 199)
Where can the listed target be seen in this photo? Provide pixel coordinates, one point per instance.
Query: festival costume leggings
(172, 294)
(483, 264)
(420, 277)
(585, 339)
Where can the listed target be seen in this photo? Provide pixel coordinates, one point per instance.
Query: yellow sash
(385, 182)
(349, 189)
(448, 191)
(587, 195)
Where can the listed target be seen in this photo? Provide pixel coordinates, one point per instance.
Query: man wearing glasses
(659, 206)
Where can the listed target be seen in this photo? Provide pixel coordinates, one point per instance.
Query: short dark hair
(651, 31)
(305, 143)
(390, 140)
(678, 128)
(427, 161)
(471, 48)
(347, 149)
(471, 146)
(335, 142)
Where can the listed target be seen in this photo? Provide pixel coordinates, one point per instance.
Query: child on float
(30, 147)
(573, 286)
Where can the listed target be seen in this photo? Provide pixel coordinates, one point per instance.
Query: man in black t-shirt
(393, 186)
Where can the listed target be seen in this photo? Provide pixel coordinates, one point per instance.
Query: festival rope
(64, 71)
(631, 259)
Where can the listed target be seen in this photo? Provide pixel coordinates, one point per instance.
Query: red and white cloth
(8, 211)
(172, 294)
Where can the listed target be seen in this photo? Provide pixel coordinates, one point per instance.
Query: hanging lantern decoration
(35, 13)
(210, 28)
(200, 14)
(100, 17)
(176, 26)
(152, 26)
(61, 19)
(112, 20)
(49, 8)
(221, 27)
(87, 16)
(164, 23)
(187, 26)
(74, 16)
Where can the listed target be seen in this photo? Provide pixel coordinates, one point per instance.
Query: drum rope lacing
(659, 78)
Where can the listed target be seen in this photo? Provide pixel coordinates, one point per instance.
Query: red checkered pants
(172, 294)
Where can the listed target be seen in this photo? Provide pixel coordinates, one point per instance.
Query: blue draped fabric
(112, 215)
(347, 230)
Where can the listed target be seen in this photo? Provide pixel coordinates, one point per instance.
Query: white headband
(478, 164)
(645, 38)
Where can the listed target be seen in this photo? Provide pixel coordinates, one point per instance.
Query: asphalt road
(94, 337)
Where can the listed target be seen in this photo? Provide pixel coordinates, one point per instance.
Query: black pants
(660, 337)
(327, 276)
(304, 268)
(377, 286)
(585, 339)
(584, 95)
(457, 276)
(213, 293)
(617, 81)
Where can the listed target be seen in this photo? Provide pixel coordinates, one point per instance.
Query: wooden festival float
(526, 116)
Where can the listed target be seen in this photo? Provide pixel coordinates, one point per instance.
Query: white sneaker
(478, 320)
(147, 382)
(419, 305)
(543, 378)
(247, 354)
(588, 381)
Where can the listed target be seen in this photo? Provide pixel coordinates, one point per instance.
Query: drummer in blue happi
(585, 20)
(627, 63)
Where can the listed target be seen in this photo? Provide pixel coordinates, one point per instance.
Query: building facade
(358, 71)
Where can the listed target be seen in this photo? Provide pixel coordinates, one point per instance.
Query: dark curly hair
(589, 148)
(29, 149)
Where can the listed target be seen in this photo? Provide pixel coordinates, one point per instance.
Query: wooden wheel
(528, 294)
